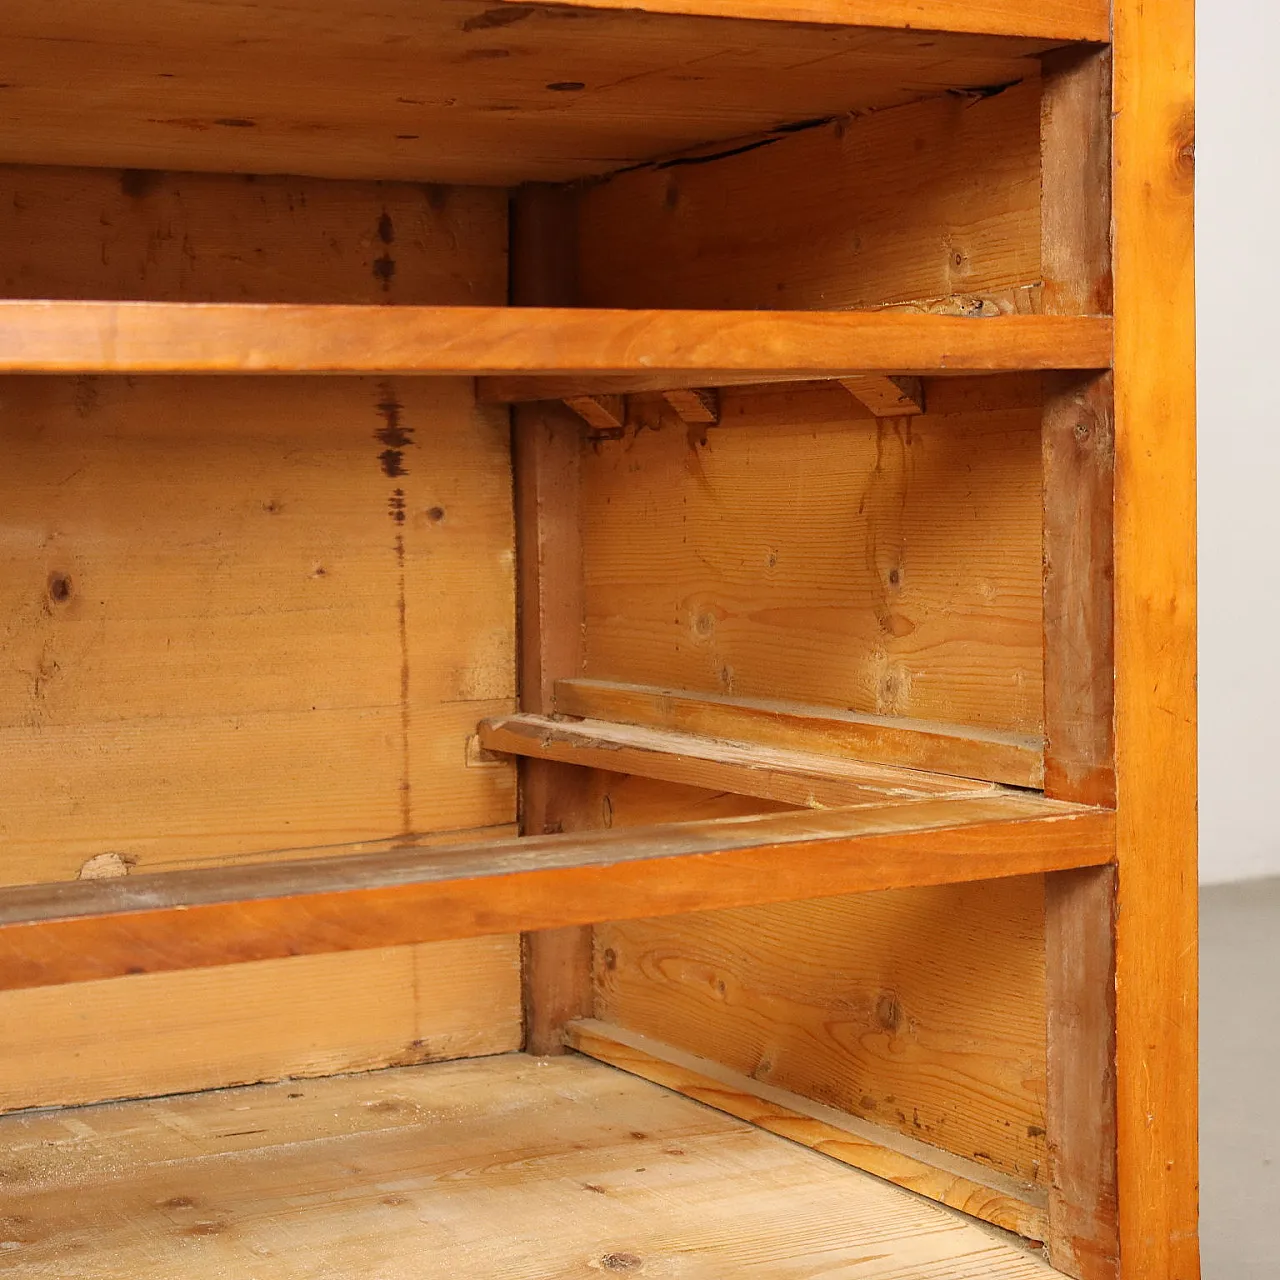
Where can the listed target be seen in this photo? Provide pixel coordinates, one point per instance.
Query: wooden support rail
(1015, 759)
(88, 929)
(1059, 20)
(556, 350)
(927, 1170)
(746, 769)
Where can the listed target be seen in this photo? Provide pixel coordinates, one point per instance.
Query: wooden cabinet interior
(687, 596)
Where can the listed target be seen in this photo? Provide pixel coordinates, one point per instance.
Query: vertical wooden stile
(1078, 461)
(1155, 559)
(547, 450)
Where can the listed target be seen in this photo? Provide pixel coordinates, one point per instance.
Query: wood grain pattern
(1155, 397)
(443, 90)
(189, 919)
(547, 447)
(502, 1166)
(999, 757)
(196, 237)
(304, 1016)
(1064, 19)
(804, 778)
(155, 337)
(1079, 670)
(808, 554)
(927, 201)
(201, 591)
(959, 1184)
(920, 1011)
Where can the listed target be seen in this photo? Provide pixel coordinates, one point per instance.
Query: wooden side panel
(920, 1010)
(243, 615)
(1156, 959)
(805, 551)
(1079, 475)
(928, 201)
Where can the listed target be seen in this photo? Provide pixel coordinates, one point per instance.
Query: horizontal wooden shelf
(927, 1170)
(82, 930)
(549, 353)
(500, 1166)
(1015, 759)
(744, 768)
(1059, 19)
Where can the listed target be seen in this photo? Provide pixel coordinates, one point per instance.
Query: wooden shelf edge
(84, 930)
(1088, 20)
(782, 774)
(1013, 759)
(531, 353)
(929, 1171)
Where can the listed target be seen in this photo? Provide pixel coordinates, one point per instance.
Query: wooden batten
(958, 1183)
(556, 964)
(1015, 759)
(143, 924)
(887, 397)
(602, 412)
(790, 776)
(695, 406)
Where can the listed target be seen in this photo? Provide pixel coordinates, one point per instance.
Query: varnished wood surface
(919, 1011)
(928, 1171)
(139, 924)
(1155, 539)
(505, 1166)
(147, 337)
(1063, 19)
(791, 776)
(448, 90)
(892, 740)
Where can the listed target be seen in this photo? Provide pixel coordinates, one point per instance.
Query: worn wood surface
(303, 1016)
(96, 929)
(939, 200)
(1079, 669)
(807, 554)
(920, 1011)
(503, 1166)
(191, 237)
(928, 1171)
(547, 450)
(443, 90)
(772, 773)
(564, 343)
(214, 647)
(1064, 19)
(1155, 399)
(916, 744)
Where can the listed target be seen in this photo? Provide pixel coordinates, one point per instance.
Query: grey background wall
(1238, 286)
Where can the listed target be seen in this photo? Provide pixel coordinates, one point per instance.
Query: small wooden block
(887, 397)
(604, 412)
(695, 404)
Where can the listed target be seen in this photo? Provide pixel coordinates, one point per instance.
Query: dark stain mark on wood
(384, 270)
(59, 587)
(136, 183)
(435, 514)
(566, 86)
(386, 228)
(492, 18)
(393, 433)
(396, 505)
(236, 122)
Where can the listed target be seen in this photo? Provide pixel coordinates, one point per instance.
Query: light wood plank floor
(494, 1167)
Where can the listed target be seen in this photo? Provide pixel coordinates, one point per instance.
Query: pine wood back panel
(225, 640)
(804, 550)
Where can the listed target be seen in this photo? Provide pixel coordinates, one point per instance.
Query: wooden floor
(506, 1166)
